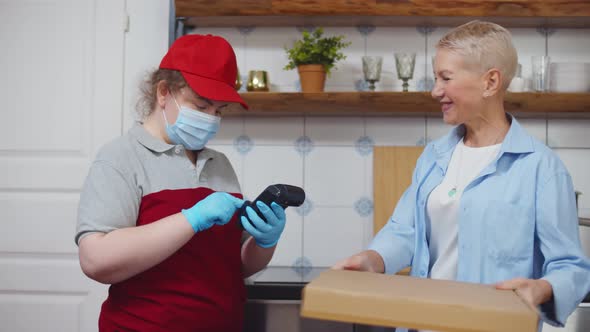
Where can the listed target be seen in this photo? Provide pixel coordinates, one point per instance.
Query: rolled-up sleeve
(565, 266)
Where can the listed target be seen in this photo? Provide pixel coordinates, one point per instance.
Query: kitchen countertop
(284, 283)
(280, 283)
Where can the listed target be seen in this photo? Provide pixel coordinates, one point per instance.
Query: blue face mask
(192, 129)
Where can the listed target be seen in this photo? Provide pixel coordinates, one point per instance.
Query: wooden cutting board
(393, 167)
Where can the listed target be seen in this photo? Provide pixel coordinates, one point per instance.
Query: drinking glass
(404, 63)
(540, 72)
(372, 70)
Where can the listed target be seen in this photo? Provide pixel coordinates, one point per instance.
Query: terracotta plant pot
(312, 77)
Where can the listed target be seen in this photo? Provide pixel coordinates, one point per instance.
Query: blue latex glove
(266, 234)
(215, 209)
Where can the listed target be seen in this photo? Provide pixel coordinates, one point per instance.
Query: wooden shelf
(528, 104)
(517, 13)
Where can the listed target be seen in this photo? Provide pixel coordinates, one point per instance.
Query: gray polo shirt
(138, 164)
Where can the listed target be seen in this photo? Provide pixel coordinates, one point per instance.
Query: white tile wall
(266, 165)
(334, 173)
(333, 176)
(569, 45)
(265, 51)
(349, 69)
(396, 131)
(577, 161)
(331, 234)
(290, 247)
(569, 133)
(436, 128)
(282, 131)
(368, 176)
(229, 129)
(334, 131)
(536, 127)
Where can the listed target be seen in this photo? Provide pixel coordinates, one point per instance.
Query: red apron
(198, 288)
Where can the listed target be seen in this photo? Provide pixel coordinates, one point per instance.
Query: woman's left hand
(533, 291)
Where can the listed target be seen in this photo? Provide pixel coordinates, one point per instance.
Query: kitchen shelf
(526, 104)
(517, 13)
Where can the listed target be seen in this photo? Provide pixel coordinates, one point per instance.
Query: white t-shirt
(443, 206)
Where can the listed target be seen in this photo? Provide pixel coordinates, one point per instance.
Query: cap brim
(213, 89)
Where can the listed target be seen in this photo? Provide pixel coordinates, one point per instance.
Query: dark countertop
(286, 283)
(280, 283)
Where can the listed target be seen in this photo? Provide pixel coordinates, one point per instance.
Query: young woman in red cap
(157, 217)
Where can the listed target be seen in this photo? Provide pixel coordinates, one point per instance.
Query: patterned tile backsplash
(331, 157)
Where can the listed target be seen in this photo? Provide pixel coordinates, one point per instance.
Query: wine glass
(404, 63)
(372, 70)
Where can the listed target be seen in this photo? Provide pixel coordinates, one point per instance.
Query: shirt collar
(205, 154)
(146, 139)
(159, 146)
(516, 141)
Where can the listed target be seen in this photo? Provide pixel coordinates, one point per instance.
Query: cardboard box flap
(400, 301)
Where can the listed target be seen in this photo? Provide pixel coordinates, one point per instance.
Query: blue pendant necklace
(452, 192)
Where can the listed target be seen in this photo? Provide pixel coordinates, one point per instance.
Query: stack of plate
(569, 77)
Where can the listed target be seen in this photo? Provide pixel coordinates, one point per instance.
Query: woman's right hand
(216, 209)
(368, 260)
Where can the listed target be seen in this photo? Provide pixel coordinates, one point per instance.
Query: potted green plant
(314, 56)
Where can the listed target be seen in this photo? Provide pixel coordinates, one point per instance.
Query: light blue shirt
(517, 218)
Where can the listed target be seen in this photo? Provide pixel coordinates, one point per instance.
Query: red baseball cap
(208, 64)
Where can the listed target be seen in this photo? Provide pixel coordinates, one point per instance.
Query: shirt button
(178, 149)
(423, 273)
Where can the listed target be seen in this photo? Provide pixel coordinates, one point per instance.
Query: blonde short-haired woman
(488, 203)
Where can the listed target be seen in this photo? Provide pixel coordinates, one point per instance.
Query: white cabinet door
(61, 86)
